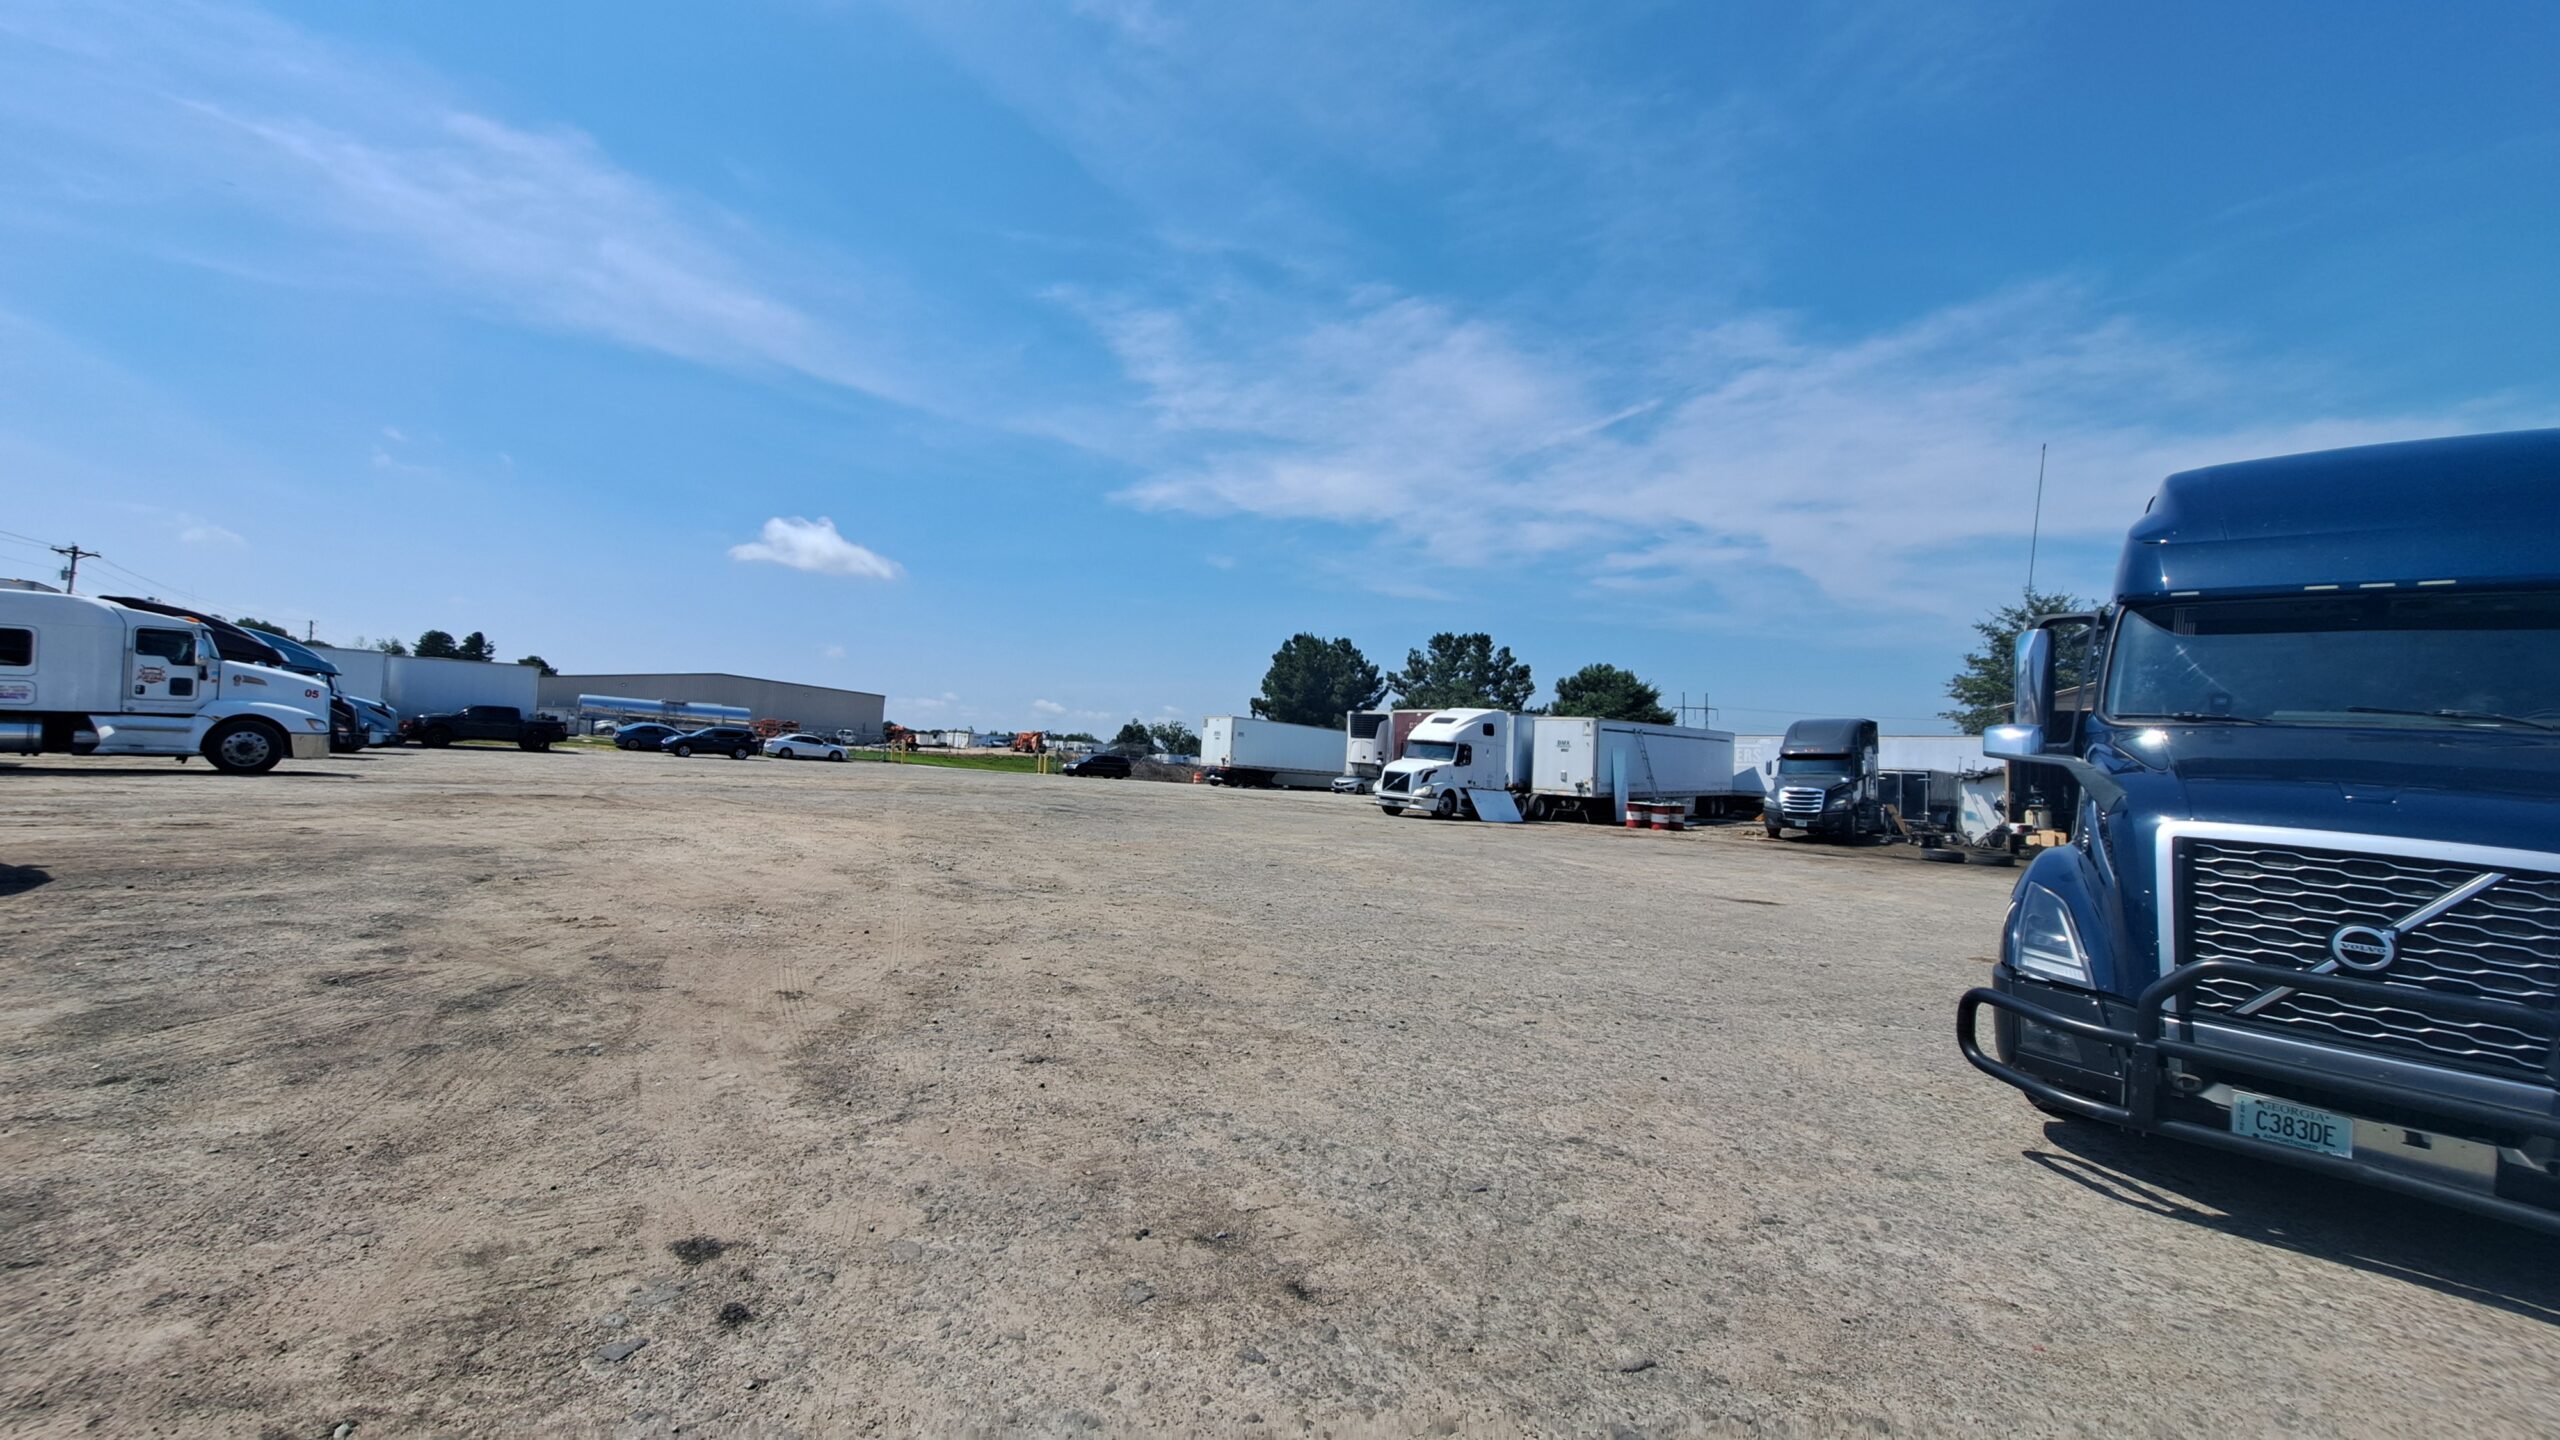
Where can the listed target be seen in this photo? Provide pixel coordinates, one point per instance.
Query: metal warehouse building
(811, 707)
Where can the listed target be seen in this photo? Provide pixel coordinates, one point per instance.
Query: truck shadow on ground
(19, 879)
(2481, 1260)
(191, 770)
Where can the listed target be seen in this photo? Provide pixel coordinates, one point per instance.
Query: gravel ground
(480, 1091)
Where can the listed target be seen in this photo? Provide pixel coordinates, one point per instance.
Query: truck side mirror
(2032, 709)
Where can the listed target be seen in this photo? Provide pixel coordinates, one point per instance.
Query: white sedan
(803, 747)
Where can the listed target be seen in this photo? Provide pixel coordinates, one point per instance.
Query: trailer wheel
(244, 747)
(1540, 807)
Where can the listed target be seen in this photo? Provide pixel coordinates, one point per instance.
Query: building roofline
(717, 675)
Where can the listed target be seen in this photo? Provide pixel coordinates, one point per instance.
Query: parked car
(502, 723)
(803, 747)
(643, 735)
(1108, 767)
(848, 737)
(1351, 784)
(735, 741)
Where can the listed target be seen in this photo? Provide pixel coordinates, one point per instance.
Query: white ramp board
(1497, 806)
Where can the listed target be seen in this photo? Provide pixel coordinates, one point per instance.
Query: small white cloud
(1219, 562)
(393, 433)
(833, 652)
(814, 546)
(1047, 707)
(205, 532)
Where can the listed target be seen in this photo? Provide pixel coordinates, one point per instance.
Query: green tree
(1314, 681)
(538, 663)
(438, 645)
(247, 623)
(391, 647)
(1986, 686)
(1463, 671)
(1605, 692)
(1134, 736)
(1174, 737)
(475, 646)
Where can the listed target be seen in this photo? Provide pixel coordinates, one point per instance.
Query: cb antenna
(2036, 528)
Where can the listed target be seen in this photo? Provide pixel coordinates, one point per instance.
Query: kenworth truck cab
(2310, 906)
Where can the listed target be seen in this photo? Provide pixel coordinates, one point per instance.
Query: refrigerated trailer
(1374, 739)
(1240, 750)
(1592, 769)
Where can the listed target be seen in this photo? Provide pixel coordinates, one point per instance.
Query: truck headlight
(2043, 941)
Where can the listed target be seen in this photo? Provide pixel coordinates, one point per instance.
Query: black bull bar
(2141, 1049)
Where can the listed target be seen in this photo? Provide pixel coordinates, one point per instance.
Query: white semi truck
(1451, 753)
(1556, 767)
(82, 676)
(1243, 751)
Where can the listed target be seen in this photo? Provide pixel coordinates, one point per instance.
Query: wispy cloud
(814, 546)
(1746, 464)
(326, 143)
(1047, 707)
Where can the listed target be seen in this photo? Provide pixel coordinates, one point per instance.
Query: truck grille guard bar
(2141, 1049)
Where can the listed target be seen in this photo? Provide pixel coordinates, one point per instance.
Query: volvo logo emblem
(2370, 949)
(2364, 948)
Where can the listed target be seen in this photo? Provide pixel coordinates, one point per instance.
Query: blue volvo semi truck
(2310, 907)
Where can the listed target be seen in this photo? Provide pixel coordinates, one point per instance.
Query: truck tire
(1771, 827)
(682, 752)
(245, 747)
(1446, 807)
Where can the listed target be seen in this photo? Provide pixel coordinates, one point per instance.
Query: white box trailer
(1241, 750)
(1374, 739)
(1590, 769)
(83, 676)
(414, 685)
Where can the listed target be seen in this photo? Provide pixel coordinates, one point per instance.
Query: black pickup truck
(484, 722)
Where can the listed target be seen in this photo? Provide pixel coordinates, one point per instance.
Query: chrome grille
(1799, 800)
(1396, 782)
(2278, 905)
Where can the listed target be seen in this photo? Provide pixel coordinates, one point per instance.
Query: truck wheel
(682, 752)
(1771, 826)
(1540, 808)
(244, 747)
(1446, 807)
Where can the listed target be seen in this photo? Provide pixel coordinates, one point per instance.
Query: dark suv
(735, 741)
(1109, 767)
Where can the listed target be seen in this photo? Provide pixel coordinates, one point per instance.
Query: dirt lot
(411, 1091)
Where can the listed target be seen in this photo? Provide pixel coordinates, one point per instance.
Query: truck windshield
(1814, 765)
(1432, 750)
(2398, 659)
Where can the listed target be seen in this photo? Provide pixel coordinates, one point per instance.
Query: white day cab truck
(1490, 764)
(1261, 754)
(86, 677)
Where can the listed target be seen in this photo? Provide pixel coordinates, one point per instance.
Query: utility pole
(71, 574)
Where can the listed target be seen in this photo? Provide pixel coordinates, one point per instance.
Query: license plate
(2281, 1122)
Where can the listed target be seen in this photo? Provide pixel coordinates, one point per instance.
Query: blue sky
(1115, 341)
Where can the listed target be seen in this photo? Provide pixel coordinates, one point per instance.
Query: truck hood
(2419, 784)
